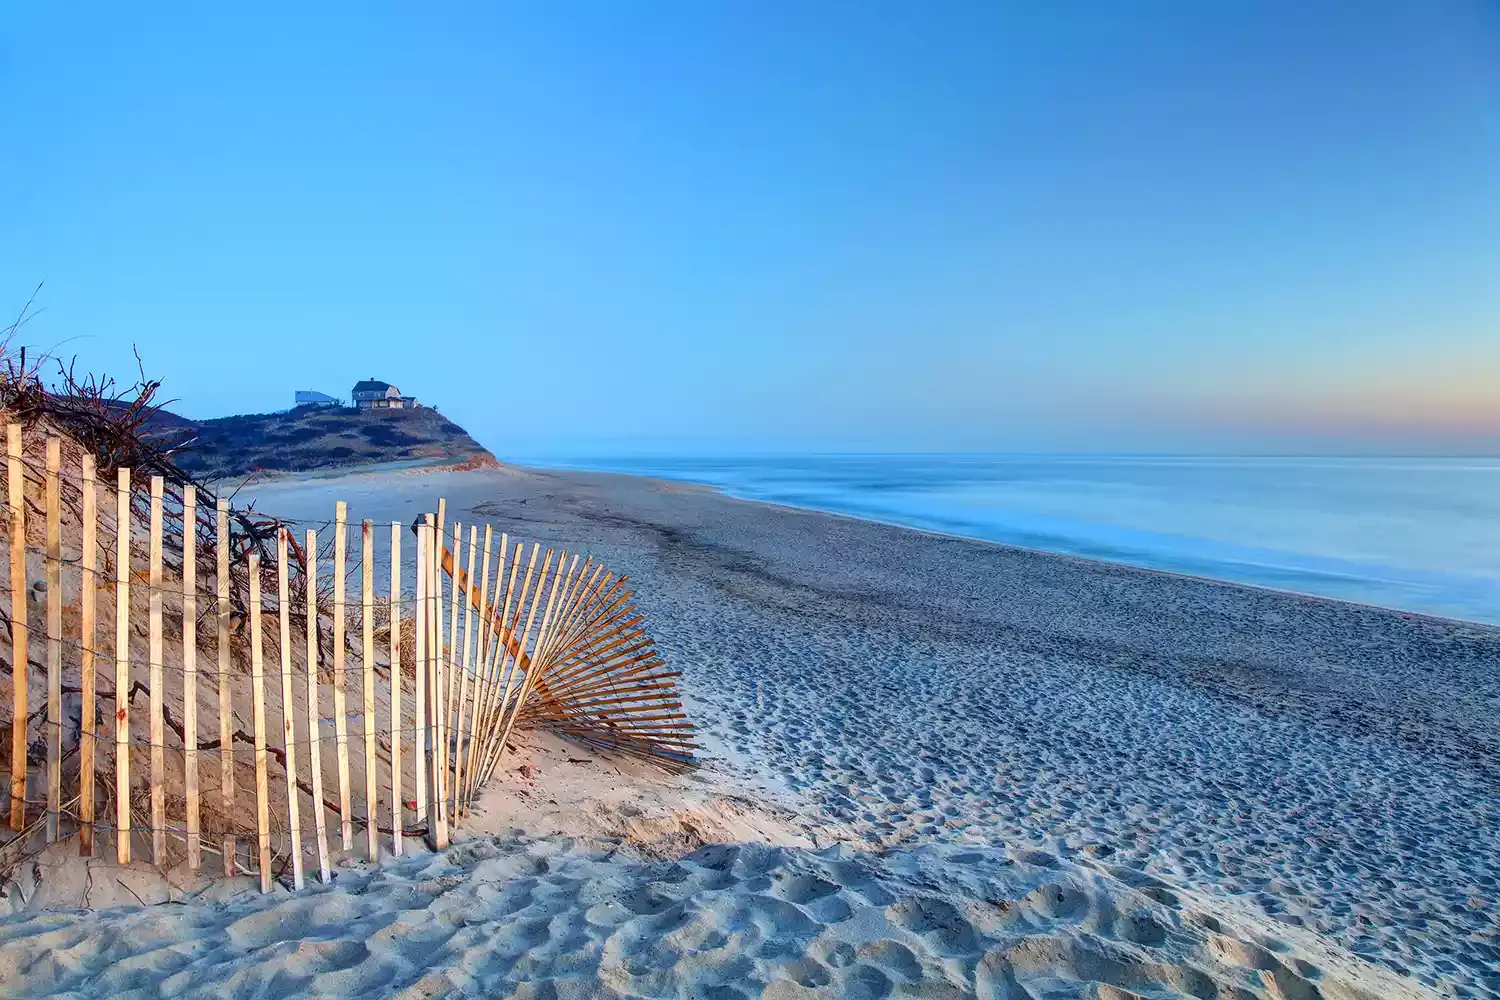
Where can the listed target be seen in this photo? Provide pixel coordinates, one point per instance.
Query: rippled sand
(499, 916)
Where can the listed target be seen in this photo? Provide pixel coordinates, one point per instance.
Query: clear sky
(631, 226)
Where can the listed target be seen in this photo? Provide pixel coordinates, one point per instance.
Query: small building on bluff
(373, 394)
(311, 397)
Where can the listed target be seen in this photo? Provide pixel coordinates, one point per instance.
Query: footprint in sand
(893, 957)
(937, 922)
(1056, 901)
(803, 889)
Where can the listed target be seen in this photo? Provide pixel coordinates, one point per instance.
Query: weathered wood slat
(451, 678)
(469, 689)
(465, 662)
(157, 678)
(396, 683)
(122, 666)
(419, 709)
(226, 694)
(438, 782)
(367, 607)
(429, 672)
(314, 719)
(258, 699)
(54, 638)
(429, 604)
(190, 674)
(19, 632)
(288, 716)
(444, 644)
(88, 596)
(340, 691)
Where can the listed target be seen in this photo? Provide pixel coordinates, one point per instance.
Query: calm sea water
(1419, 534)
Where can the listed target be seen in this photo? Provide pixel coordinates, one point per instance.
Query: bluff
(311, 437)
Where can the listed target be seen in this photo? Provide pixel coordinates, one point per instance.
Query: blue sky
(684, 226)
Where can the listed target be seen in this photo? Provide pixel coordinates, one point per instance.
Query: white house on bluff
(372, 394)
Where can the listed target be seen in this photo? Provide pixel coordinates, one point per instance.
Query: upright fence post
(190, 672)
(314, 721)
(88, 595)
(122, 666)
(419, 710)
(428, 666)
(422, 667)
(434, 676)
(158, 737)
(458, 658)
(340, 692)
(367, 607)
(20, 670)
(54, 640)
(396, 721)
(258, 699)
(436, 684)
(288, 728)
(226, 701)
(451, 663)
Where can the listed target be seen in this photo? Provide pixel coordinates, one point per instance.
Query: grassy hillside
(310, 438)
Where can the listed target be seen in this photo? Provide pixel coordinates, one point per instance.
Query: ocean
(1415, 534)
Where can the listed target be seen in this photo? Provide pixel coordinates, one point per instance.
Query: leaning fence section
(268, 703)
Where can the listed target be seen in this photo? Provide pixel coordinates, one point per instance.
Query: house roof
(372, 385)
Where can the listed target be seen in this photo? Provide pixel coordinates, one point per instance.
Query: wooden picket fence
(444, 673)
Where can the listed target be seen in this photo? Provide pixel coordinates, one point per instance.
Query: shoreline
(681, 484)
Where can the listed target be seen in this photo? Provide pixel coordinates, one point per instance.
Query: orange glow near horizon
(1386, 404)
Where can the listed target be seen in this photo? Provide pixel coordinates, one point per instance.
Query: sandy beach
(935, 767)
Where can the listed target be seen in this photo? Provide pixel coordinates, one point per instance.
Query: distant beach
(1416, 534)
